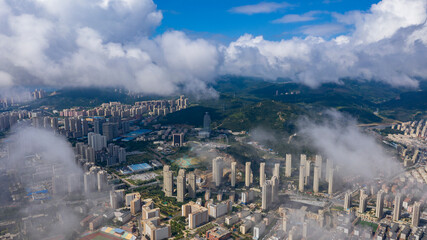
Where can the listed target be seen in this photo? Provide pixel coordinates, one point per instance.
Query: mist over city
(217, 120)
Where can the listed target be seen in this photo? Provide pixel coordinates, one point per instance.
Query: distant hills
(245, 103)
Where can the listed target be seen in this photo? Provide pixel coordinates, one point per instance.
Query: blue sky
(216, 20)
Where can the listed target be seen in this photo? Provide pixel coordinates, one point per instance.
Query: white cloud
(293, 18)
(109, 43)
(262, 7)
(337, 137)
(389, 32)
(6, 79)
(101, 43)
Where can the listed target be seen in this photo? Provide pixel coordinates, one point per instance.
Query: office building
(248, 174)
(191, 177)
(397, 207)
(261, 174)
(288, 169)
(180, 186)
(177, 139)
(380, 205)
(233, 174)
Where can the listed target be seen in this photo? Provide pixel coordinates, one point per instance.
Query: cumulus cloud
(262, 7)
(387, 44)
(338, 138)
(100, 43)
(110, 43)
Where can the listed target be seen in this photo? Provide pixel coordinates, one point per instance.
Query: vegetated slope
(268, 113)
(191, 116)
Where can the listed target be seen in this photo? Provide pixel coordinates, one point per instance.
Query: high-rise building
(380, 205)
(130, 197)
(168, 182)
(166, 168)
(347, 201)
(117, 198)
(122, 155)
(305, 230)
(416, 211)
(97, 125)
(207, 123)
(217, 170)
(102, 180)
(110, 130)
(316, 178)
(285, 224)
(307, 171)
(191, 177)
(180, 186)
(318, 163)
(85, 127)
(197, 215)
(276, 171)
(329, 166)
(288, 170)
(135, 206)
(331, 187)
(397, 207)
(89, 182)
(96, 141)
(233, 174)
(207, 195)
(248, 174)
(266, 195)
(274, 189)
(261, 174)
(301, 177)
(363, 200)
(177, 139)
(219, 209)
